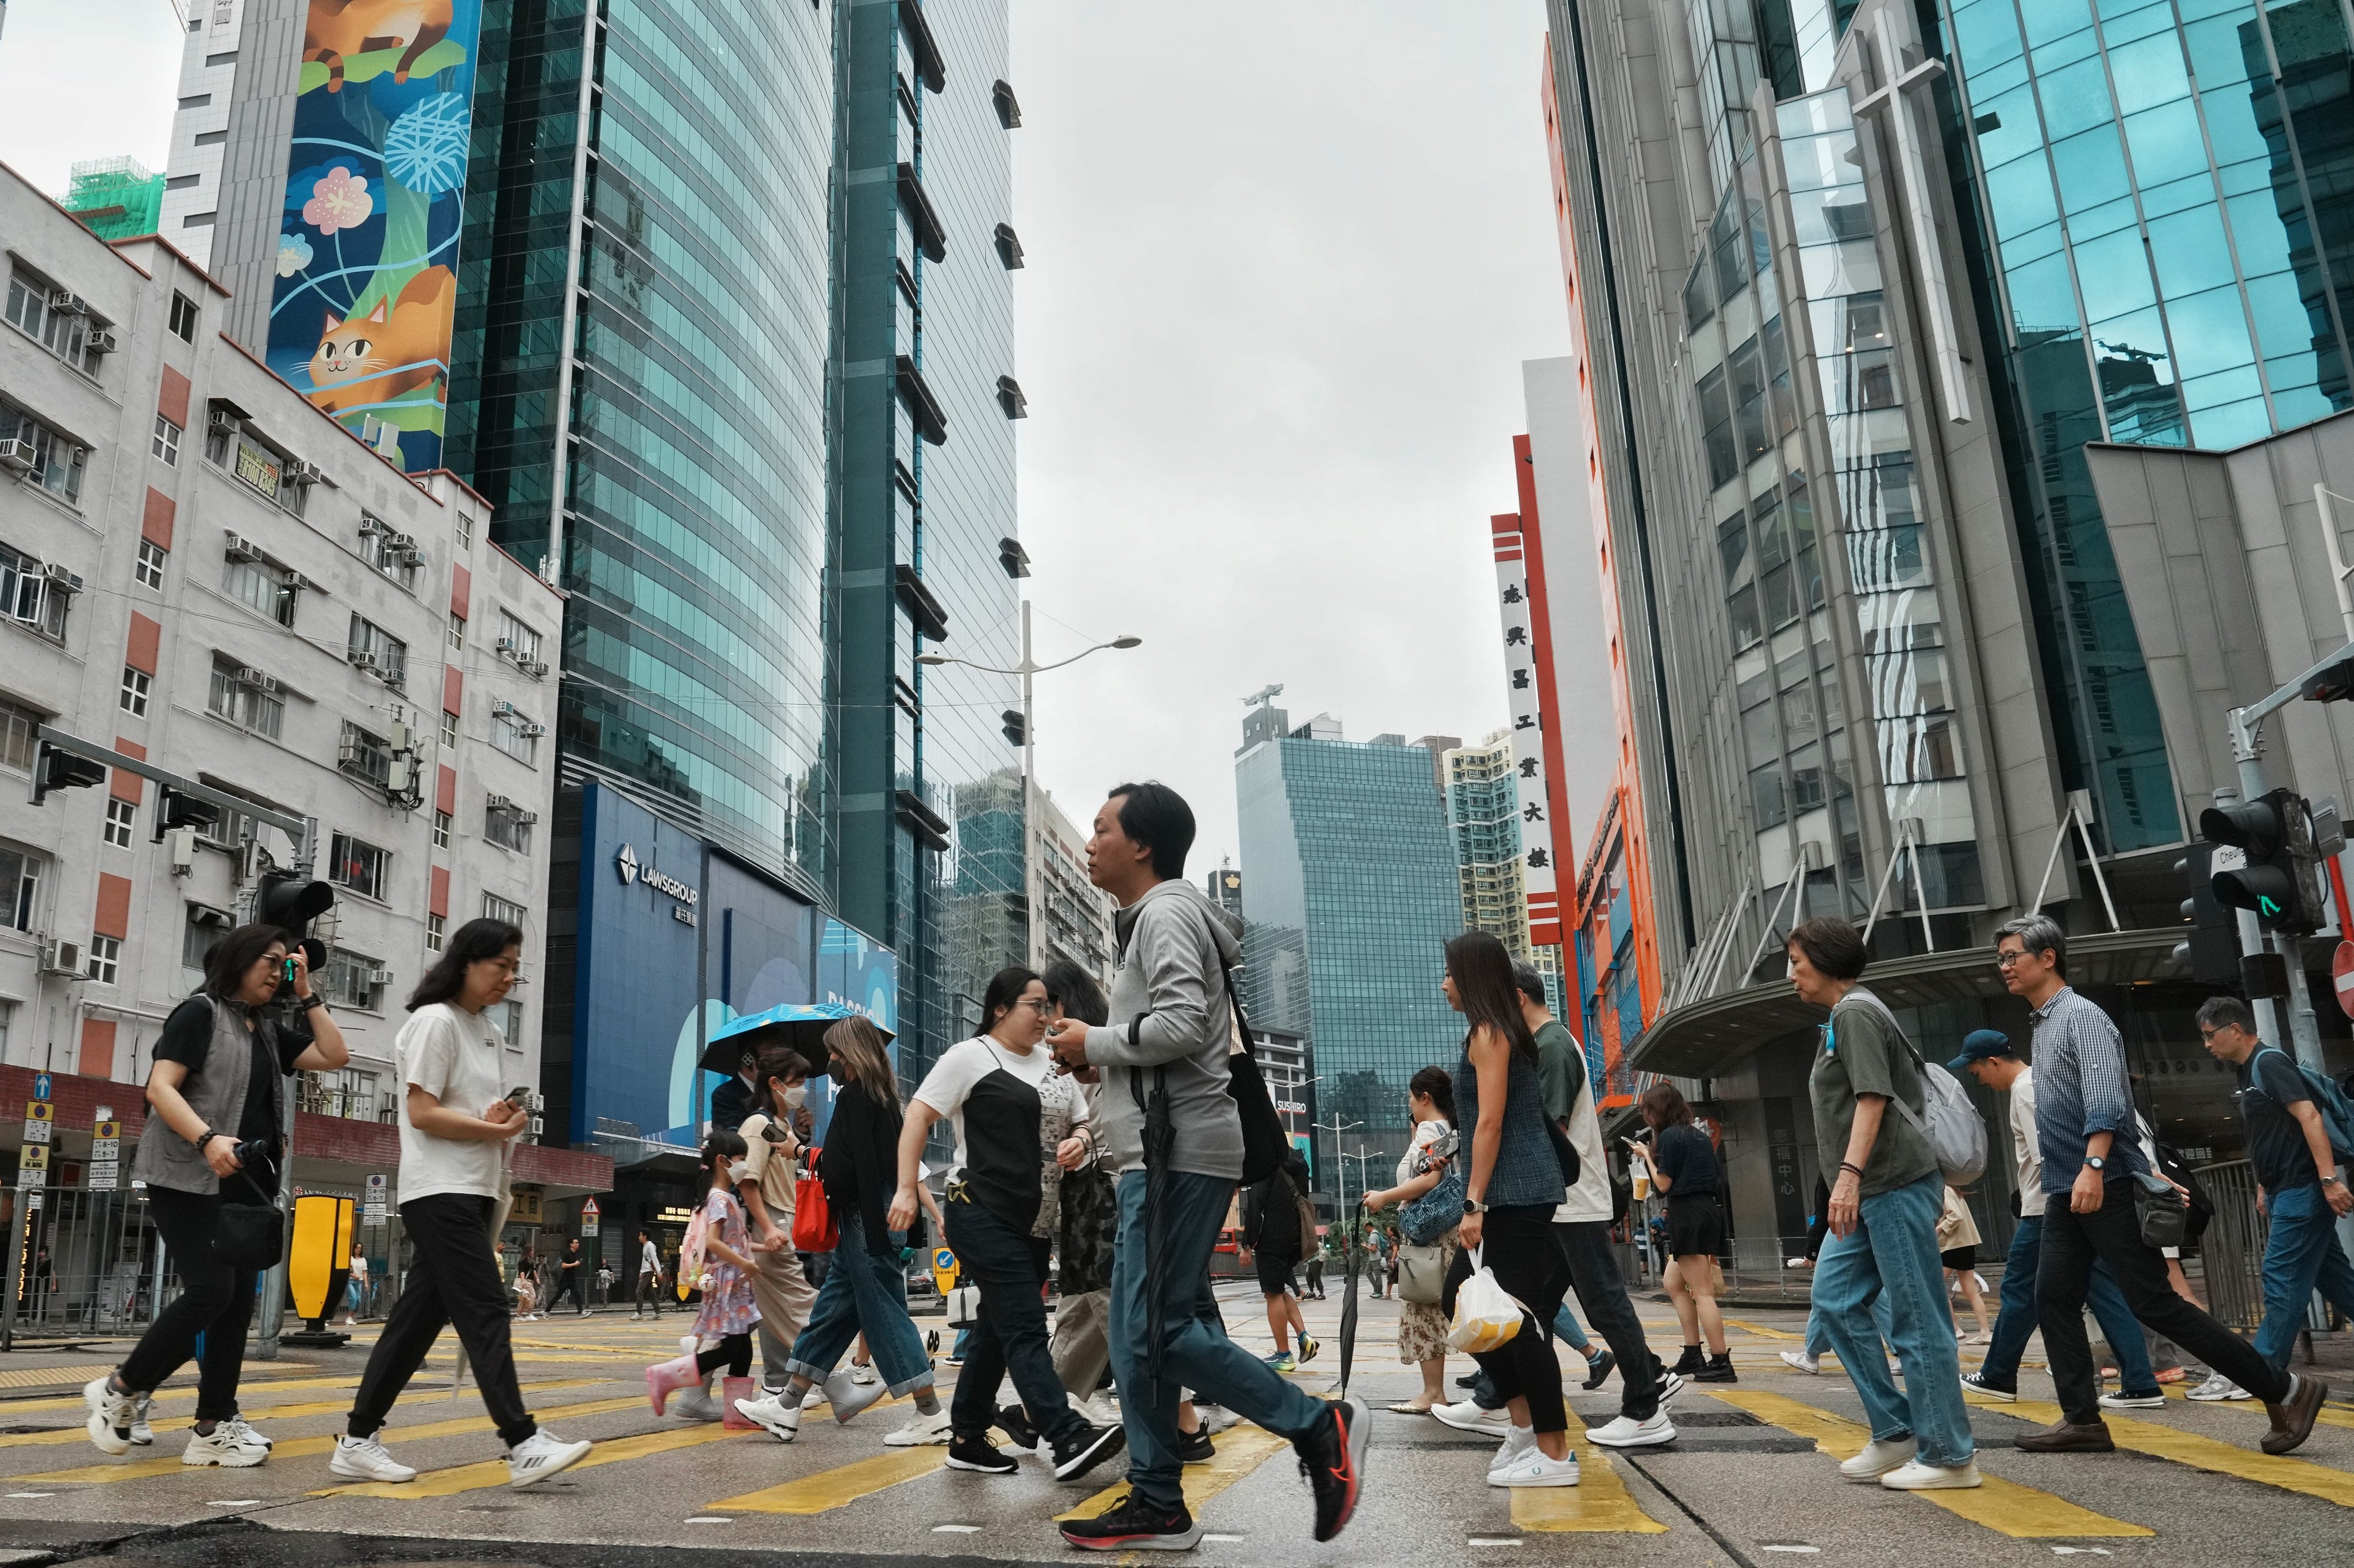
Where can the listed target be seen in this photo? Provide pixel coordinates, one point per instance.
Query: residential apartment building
(1860, 288)
(1350, 893)
(1075, 917)
(202, 572)
(1484, 816)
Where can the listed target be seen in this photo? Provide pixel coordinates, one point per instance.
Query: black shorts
(1959, 1257)
(1695, 1224)
(1275, 1269)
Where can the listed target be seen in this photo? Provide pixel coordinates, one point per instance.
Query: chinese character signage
(367, 245)
(1517, 602)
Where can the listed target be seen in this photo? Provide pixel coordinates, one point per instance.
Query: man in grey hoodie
(1170, 1030)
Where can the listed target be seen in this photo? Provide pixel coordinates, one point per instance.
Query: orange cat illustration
(340, 27)
(394, 348)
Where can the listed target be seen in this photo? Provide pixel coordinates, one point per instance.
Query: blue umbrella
(800, 1026)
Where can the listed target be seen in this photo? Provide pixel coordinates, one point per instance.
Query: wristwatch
(1474, 1206)
(2096, 1162)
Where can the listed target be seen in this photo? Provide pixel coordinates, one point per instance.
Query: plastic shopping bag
(1486, 1315)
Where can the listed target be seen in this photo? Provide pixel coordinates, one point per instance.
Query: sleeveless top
(1527, 1173)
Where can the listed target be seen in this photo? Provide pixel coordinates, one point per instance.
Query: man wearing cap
(1987, 1056)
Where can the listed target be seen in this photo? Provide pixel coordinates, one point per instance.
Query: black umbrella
(800, 1026)
(1351, 1241)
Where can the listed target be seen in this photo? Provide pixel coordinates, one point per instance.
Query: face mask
(796, 1097)
(738, 1171)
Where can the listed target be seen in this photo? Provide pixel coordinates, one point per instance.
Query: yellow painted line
(839, 1487)
(2325, 1417)
(494, 1473)
(1759, 1329)
(1599, 1504)
(187, 1390)
(302, 1447)
(2005, 1506)
(272, 1412)
(1241, 1450)
(2202, 1453)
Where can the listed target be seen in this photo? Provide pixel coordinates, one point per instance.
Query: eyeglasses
(2009, 960)
(1035, 1005)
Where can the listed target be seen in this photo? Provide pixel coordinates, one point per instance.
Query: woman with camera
(210, 1155)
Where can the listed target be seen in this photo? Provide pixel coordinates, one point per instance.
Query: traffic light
(174, 810)
(289, 903)
(1015, 727)
(2212, 954)
(64, 770)
(2280, 881)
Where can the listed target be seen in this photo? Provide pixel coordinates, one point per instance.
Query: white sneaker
(367, 1459)
(1533, 1469)
(542, 1455)
(1098, 1411)
(1468, 1417)
(1670, 1384)
(141, 1435)
(774, 1414)
(1216, 1418)
(1811, 1365)
(111, 1416)
(230, 1444)
(848, 1398)
(245, 1430)
(923, 1431)
(1915, 1476)
(2219, 1387)
(2153, 1399)
(1626, 1432)
(1518, 1440)
(862, 1376)
(1879, 1459)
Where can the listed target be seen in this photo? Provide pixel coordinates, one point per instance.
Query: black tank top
(1001, 1171)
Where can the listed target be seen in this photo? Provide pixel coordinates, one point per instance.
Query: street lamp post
(1028, 670)
(1336, 1126)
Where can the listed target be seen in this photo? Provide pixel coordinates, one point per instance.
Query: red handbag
(813, 1226)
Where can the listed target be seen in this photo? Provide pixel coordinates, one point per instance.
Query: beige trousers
(784, 1295)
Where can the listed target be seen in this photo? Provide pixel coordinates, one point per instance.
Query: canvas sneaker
(773, 1415)
(1130, 1525)
(231, 1445)
(367, 1459)
(1799, 1361)
(1518, 1440)
(1626, 1432)
(111, 1416)
(1913, 1475)
(542, 1455)
(1533, 1467)
(1977, 1384)
(2151, 1398)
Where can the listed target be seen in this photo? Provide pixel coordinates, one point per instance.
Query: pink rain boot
(667, 1379)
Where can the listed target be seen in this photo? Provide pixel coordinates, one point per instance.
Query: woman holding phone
(453, 1176)
(217, 1137)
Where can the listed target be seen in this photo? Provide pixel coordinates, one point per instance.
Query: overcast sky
(1284, 262)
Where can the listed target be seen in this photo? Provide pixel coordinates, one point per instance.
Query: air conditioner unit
(18, 454)
(526, 818)
(531, 731)
(410, 556)
(361, 658)
(269, 683)
(498, 804)
(242, 548)
(349, 753)
(61, 957)
(246, 676)
(100, 342)
(222, 423)
(502, 708)
(534, 667)
(60, 577)
(298, 471)
(66, 303)
(379, 976)
(373, 525)
(508, 645)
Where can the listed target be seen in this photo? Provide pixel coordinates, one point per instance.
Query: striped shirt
(2081, 1089)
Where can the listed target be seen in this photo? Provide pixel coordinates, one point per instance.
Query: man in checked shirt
(2083, 1102)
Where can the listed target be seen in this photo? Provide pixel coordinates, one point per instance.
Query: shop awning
(1706, 1038)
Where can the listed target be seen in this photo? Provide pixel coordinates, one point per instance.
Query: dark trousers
(216, 1301)
(2110, 1232)
(568, 1283)
(455, 1280)
(1519, 1250)
(733, 1351)
(649, 1292)
(1594, 1273)
(1010, 1269)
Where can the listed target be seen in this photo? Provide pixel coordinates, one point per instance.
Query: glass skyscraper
(928, 823)
(1350, 896)
(660, 426)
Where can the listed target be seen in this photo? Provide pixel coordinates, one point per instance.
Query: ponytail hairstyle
(1434, 1084)
(859, 1046)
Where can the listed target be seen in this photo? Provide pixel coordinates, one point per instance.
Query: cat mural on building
(366, 286)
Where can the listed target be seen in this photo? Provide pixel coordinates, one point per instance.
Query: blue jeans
(2301, 1257)
(1196, 1352)
(1565, 1329)
(2016, 1319)
(1818, 1341)
(1892, 1251)
(866, 1294)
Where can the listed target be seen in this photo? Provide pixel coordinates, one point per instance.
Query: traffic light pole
(304, 832)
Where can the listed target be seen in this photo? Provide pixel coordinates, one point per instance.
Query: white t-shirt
(2023, 1147)
(949, 1082)
(1425, 1133)
(453, 1055)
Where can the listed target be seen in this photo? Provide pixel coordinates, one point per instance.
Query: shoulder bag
(249, 1235)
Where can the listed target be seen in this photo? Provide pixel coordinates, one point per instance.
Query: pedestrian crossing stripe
(301, 1447)
(2006, 1507)
(1241, 1450)
(188, 1391)
(1599, 1504)
(2200, 1453)
(494, 1473)
(63, 1434)
(835, 1487)
(2323, 1417)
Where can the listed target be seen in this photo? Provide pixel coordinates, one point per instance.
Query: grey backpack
(1955, 1132)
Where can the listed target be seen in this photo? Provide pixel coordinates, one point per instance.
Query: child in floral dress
(722, 1330)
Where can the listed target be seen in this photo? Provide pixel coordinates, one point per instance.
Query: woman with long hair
(1422, 1327)
(1683, 1166)
(772, 1151)
(722, 1330)
(217, 1138)
(1016, 1124)
(1514, 1183)
(453, 1181)
(863, 1290)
